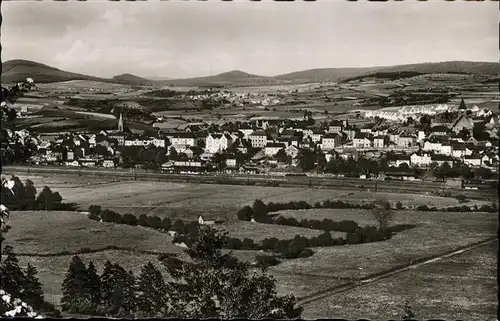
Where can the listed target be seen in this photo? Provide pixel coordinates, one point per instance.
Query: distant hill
(234, 78)
(132, 80)
(448, 67)
(18, 70)
(336, 74)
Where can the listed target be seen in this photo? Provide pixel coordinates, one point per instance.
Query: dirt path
(371, 279)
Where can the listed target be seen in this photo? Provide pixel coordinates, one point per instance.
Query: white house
(361, 142)
(331, 141)
(108, 163)
(258, 139)
(179, 140)
(406, 141)
(273, 148)
(316, 135)
(380, 141)
(292, 151)
(421, 160)
(218, 142)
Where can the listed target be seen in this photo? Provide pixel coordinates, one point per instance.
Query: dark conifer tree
(76, 298)
(12, 276)
(33, 289)
(152, 298)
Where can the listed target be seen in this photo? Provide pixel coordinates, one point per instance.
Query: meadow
(422, 235)
(461, 287)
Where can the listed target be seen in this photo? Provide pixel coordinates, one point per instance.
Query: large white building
(218, 142)
(258, 139)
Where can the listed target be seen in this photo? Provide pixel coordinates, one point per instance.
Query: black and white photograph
(250, 159)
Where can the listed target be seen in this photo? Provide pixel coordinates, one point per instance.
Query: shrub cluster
(463, 208)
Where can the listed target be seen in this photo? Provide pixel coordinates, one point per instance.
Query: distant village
(401, 145)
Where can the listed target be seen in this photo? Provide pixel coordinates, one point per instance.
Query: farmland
(188, 201)
(460, 287)
(419, 235)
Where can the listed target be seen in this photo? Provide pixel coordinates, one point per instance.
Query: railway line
(342, 183)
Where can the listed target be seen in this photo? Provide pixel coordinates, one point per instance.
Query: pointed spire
(120, 123)
(462, 105)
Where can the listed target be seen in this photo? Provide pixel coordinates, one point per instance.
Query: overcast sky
(188, 39)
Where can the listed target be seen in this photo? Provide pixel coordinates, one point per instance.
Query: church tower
(462, 108)
(120, 123)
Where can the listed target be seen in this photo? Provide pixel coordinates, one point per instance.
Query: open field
(460, 287)
(258, 231)
(48, 232)
(188, 200)
(434, 233)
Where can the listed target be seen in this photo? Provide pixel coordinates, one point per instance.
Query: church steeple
(120, 123)
(462, 108)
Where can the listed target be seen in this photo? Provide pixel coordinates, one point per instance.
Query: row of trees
(19, 196)
(209, 285)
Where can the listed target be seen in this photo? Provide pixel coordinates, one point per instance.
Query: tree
(76, 298)
(95, 212)
(281, 156)
(383, 214)
(12, 277)
(118, 291)
(93, 286)
(152, 299)
(443, 170)
(33, 290)
(45, 200)
(407, 312)
(245, 214)
(215, 285)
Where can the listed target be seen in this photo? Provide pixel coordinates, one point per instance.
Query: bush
(486, 208)
(111, 217)
(325, 239)
(166, 223)
(234, 244)
(143, 220)
(422, 208)
(399, 206)
(178, 226)
(265, 261)
(95, 212)
(248, 244)
(306, 253)
(269, 243)
(129, 219)
(154, 222)
(245, 214)
(317, 205)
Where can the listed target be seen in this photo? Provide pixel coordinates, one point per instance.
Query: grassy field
(462, 287)
(433, 233)
(45, 232)
(188, 201)
(259, 231)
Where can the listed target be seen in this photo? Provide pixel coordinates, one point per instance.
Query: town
(412, 143)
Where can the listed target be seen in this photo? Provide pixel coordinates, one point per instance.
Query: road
(372, 279)
(262, 180)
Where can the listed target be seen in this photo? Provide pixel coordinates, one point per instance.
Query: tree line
(208, 285)
(23, 197)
